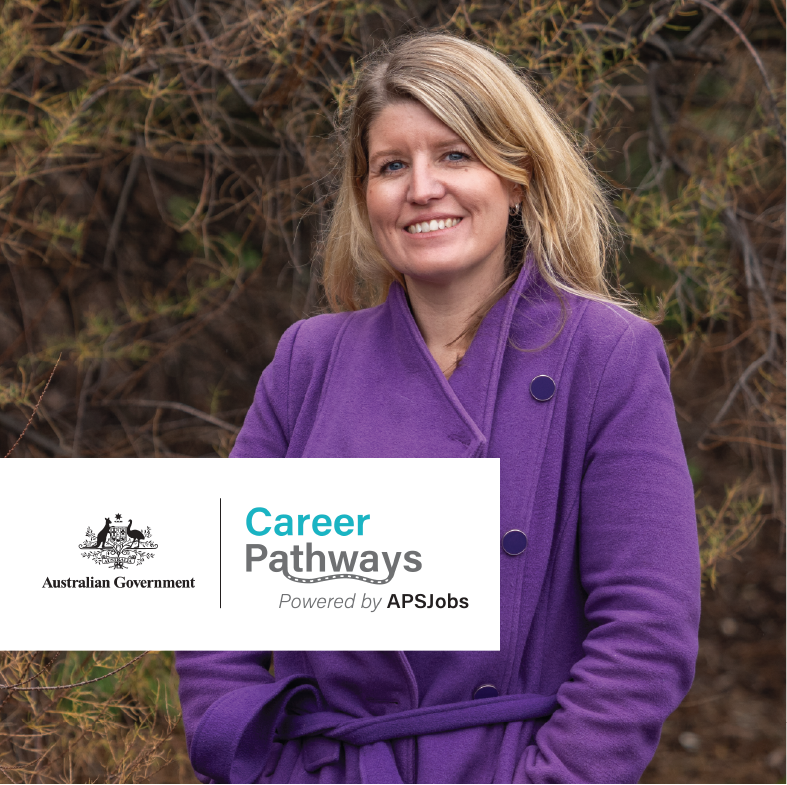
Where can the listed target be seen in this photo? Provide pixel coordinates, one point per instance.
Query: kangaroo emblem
(101, 537)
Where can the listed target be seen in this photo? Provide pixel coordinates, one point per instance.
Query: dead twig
(755, 56)
(754, 281)
(181, 407)
(18, 688)
(125, 195)
(35, 409)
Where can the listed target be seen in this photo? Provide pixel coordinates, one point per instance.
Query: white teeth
(433, 226)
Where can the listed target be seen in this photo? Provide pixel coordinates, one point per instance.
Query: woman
(476, 230)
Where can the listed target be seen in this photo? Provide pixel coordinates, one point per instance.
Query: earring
(515, 209)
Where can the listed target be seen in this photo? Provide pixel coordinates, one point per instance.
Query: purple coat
(599, 613)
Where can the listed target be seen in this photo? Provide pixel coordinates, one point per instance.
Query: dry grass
(111, 719)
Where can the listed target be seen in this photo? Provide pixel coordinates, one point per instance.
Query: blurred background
(166, 169)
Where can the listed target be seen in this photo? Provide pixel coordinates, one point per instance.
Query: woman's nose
(425, 183)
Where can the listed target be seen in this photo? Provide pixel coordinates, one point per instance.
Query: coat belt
(323, 732)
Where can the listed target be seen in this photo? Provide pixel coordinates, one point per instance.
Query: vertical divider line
(219, 552)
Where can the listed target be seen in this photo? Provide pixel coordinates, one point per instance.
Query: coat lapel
(385, 396)
(475, 381)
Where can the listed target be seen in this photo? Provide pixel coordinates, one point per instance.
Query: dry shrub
(113, 723)
(725, 531)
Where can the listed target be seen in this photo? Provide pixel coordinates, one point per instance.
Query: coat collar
(472, 388)
(385, 396)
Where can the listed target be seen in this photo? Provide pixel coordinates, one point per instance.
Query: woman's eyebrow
(384, 153)
(447, 142)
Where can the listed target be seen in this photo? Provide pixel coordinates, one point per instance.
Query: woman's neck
(443, 314)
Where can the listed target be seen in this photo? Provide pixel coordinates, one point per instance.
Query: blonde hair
(565, 222)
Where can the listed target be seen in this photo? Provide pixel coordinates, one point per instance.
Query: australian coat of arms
(118, 545)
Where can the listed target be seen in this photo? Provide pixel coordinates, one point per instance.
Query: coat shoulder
(616, 344)
(592, 328)
(603, 326)
(311, 343)
(313, 339)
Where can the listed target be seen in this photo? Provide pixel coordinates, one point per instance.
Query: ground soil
(730, 727)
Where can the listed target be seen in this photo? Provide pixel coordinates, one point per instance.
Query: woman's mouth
(424, 227)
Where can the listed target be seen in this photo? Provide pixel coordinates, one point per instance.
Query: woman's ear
(516, 196)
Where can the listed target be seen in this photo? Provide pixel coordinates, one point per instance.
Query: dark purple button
(514, 542)
(486, 691)
(542, 388)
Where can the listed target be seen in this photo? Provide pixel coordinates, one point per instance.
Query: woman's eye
(389, 167)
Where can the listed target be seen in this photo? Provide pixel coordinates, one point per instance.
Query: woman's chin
(446, 272)
(438, 276)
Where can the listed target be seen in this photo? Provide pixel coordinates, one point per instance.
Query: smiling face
(438, 215)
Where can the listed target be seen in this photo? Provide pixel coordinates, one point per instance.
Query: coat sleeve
(638, 560)
(228, 698)
(231, 707)
(207, 678)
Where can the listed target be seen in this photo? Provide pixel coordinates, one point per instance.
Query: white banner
(366, 554)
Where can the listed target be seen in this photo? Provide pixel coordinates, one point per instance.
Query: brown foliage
(106, 717)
